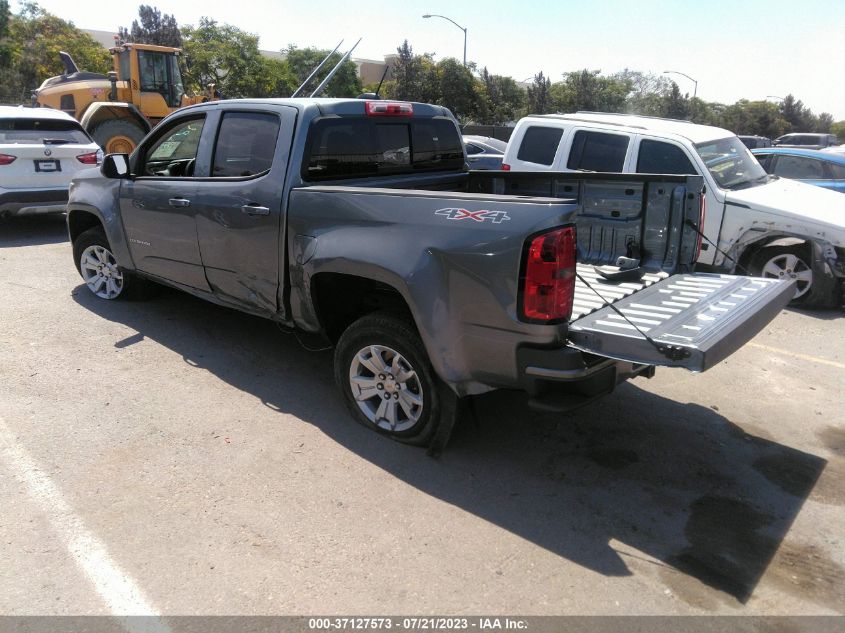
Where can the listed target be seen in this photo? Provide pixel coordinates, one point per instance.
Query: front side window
(730, 163)
(174, 153)
(596, 151)
(245, 144)
(539, 145)
(657, 157)
(799, 168)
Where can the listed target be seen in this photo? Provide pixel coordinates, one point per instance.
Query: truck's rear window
(28, 130)
(355, 147)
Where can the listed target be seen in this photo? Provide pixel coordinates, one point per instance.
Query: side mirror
(115, 166)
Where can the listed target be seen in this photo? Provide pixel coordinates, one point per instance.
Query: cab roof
(638, 124)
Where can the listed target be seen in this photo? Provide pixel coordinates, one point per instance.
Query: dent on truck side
(459, 282)
(92, 195)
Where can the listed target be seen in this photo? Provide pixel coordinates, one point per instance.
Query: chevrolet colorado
(357, 221)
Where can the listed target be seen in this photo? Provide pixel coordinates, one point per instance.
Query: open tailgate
(693, 320)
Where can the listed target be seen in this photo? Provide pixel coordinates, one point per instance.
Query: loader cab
(153, 76)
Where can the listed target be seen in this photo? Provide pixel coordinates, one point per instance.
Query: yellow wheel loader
(118, 109)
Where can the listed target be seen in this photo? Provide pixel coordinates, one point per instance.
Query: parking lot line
(118, 590)
(807, 357)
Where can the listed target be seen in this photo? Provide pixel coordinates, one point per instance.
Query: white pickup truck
(762, 224)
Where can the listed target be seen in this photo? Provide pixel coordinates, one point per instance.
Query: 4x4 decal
(455, 213)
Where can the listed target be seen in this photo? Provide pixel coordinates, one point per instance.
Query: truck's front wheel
(387, 380)
(97, 264)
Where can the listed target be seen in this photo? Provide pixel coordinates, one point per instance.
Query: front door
(240, 207)
(157, 205)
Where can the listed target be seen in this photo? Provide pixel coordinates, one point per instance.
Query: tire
(99, 270)
(118, 136)
(406, 403)
(786, 262)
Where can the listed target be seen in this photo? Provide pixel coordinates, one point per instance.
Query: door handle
(179, 202)
(254, 209)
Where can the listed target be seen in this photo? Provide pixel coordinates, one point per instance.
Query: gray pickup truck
(357, 221)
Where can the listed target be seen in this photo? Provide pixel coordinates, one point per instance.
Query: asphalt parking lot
(174, 457)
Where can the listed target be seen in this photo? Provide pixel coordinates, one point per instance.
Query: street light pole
(678, 72)
(435, 15)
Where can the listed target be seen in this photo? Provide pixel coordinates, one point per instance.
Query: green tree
(538, 95)
(32, 46)
(226, 56)
(503, 99)
(589, 90)
(459, 90)
(838, 128)
(154, 28)
(824, 122)
(302, 62)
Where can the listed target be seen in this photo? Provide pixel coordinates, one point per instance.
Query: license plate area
(51, 165)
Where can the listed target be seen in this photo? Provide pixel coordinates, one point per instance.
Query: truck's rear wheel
(386, 379)
(786, 262)
(119, 136)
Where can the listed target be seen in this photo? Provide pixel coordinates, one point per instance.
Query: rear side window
(657, 157)
(41, 130)
(347, 147)
(596, 151)
(799, 168)
(836, 171)
(539, 145)
(245, 144)
(473, 149)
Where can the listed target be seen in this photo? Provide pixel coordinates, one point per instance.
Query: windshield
(730, 162)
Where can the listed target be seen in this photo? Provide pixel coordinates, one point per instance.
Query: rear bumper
(31, 201)
(565, 379)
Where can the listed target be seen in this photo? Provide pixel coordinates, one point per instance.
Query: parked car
(836, 149)
(484, 152)
(40, 151)
(430, 281)
(823, 169)
(752, 142)
(757, 222)
(806, 140)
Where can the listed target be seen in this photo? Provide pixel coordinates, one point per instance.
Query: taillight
(7, 159)
(92, 158)
(388, 108)
(506, 167)
(548, 281)
(702, 212)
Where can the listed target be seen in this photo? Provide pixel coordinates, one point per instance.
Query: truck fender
(438, 329)
(101, 208)
(100, 111)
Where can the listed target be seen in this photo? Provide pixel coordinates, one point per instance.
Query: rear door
(687, 320)
(239, 205)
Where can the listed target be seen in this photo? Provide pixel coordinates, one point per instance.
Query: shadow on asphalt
(674, 481)
(33, 230)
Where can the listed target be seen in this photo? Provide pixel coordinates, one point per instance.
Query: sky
(735, 49)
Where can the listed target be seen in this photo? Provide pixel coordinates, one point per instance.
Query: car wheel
(386, 378)
(98, 266)
(786, 262)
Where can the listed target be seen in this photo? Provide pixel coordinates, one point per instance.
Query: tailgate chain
(672, 352)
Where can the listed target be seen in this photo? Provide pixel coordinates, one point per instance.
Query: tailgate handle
(254, 209)
(179, 202)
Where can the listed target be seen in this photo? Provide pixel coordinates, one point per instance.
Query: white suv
(769, 226)
(40, 151)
